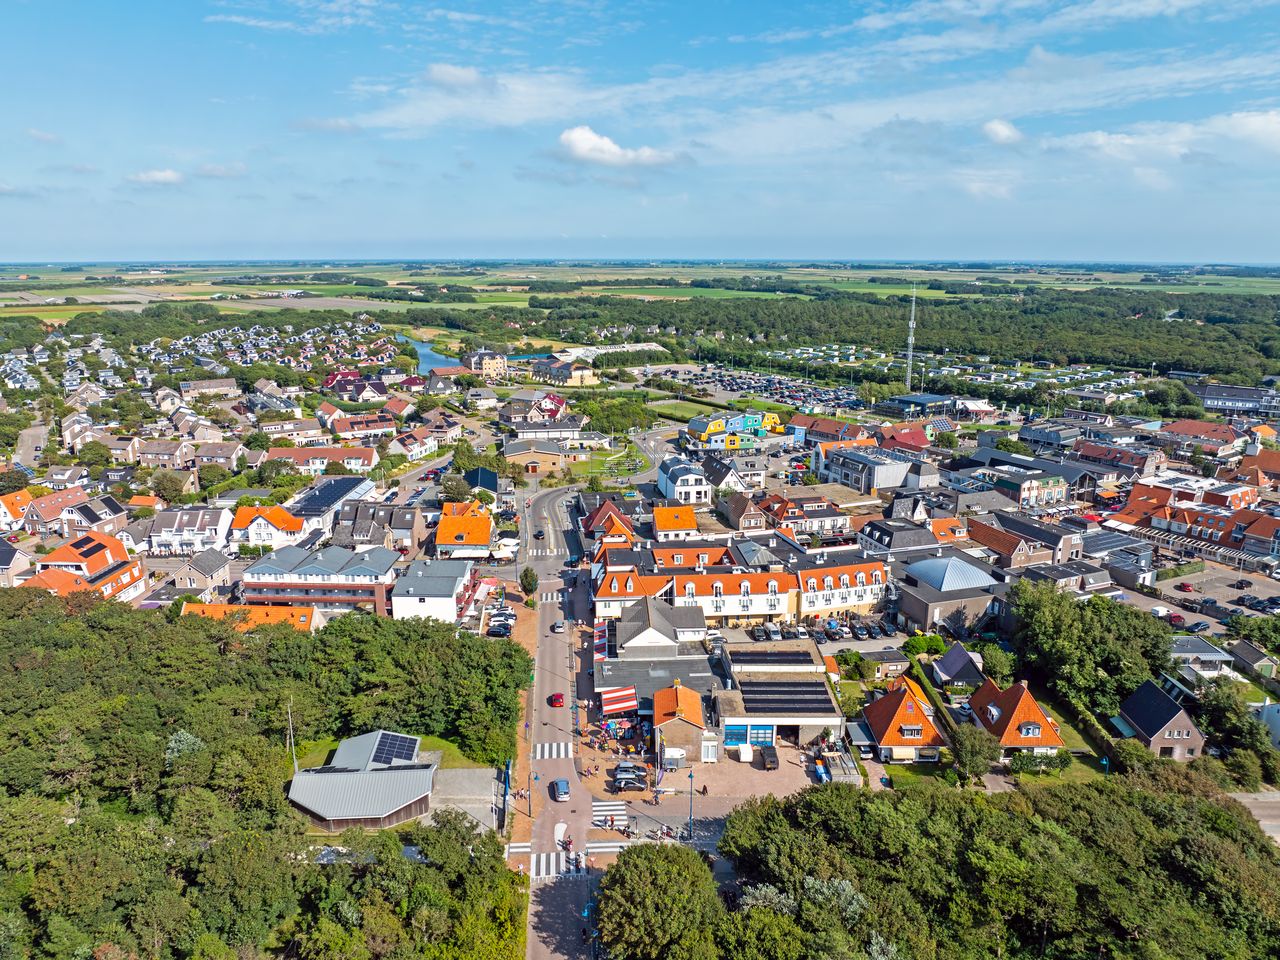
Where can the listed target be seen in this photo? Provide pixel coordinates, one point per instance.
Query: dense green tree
(974, 751)
(166, 485)
(528, 581)
(658, 902)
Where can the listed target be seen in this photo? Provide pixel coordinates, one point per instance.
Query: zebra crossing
(602, 810)
(607, 846)
(547, 866)
(541, 552)
(515, 849)
(560, 750)
(549, 598)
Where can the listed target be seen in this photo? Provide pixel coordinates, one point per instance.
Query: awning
(600, 640)
(619, 700)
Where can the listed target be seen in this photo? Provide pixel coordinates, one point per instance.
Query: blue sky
(1013, 129)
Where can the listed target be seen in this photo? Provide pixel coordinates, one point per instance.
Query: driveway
(25, 453)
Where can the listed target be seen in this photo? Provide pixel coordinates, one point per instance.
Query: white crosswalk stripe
(602, 810)
(549, 598)
(608, 846)
(561, 750)
(545, 866)
(513, 849)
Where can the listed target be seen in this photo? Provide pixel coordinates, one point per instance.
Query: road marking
(562, 750)
(607, 846)
(602, 810)
(545, 866)
(518, 848)
(549, 597)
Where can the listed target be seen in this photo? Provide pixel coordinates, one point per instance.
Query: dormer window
(689, 589)
(844, 581)
(1029, 729)
(677, 559)
(811, 584)
(912, 733)
(745, 589)
(717, 589)
(773, 588)
(827, 583)
(993, 713)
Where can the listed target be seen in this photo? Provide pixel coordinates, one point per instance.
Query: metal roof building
(372, 781)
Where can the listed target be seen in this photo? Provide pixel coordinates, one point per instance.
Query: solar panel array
(768, 697)
(395, 746)
(744, 657)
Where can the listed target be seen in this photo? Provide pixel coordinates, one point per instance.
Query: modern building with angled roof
(373, 781)
(949, 591)
(332, 579)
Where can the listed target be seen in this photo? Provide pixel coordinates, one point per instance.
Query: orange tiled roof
(16, 503)
(947, 529)
(677, 701)
(674, 518)
(253, 615)
(897, 709)
(462, 508)
(471, 529)
(143, 500)
(59, 582)
(92, 551)
(277, 516)
(1015, 706)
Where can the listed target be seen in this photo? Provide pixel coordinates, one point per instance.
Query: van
(774, 632)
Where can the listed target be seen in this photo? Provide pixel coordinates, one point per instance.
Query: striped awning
(619, 700)
(600, 640)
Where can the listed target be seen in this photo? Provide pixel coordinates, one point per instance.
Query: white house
(684, 481)
(434, 589)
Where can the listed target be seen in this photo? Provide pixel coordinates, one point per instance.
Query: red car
(1185, 588)
(556, 700)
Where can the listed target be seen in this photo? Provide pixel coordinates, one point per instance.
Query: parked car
(1243, 584)
(1200, 626)
(789, 633)
(558, 627)
(556, 700)
(759, 634)
(560, 790)
(773, 632)
(499, 630)
(769, 757)
(861, 632)
(1185, 587)
(844, 632)
(628, 785)
(832, 634)
(540, 535)
(1177, 620)
(626, 768)
(888, 628)
(802, 633)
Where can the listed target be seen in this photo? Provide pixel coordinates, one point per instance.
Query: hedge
(1181, 570)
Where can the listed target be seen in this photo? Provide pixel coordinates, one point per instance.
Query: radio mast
(911, 336)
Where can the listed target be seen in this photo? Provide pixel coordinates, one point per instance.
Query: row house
(188, 531)
(811, 515)
(314, 460)
(43, 516)
(101, 515)
(167, 454)
(225, 454)
(333, 579)
(303, 432)
(416, 444)
(365, 426)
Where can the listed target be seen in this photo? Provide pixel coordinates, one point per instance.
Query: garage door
(734, 736)
(762, 736)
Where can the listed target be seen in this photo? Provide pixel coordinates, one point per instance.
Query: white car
(802, 633)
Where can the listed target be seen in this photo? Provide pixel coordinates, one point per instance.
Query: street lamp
(691, 806)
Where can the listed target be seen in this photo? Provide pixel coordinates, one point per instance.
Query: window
(689, 590)
(677, 559)
(717, 589)
(773, 588)
(1030, 730)
(745, 589)
(912, 733)
(862, 579)
(826, 583)
(876, 578)
(844, 581)
(811, 584)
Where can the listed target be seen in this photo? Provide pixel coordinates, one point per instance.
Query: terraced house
(749, 580)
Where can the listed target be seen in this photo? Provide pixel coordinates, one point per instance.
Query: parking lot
(1214, 582)
(730, 384)
(855, 633)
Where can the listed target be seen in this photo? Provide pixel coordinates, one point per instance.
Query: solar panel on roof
(395, 746)
(91, 550)
(785, 696)
(771, 656)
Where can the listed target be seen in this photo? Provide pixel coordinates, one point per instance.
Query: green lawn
(906, 774)
(682, 408)
(1252, 692)
(1071, 737)
(1082, 769)
(601, 462)
(453, 758)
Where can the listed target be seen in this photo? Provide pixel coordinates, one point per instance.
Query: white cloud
(310, 16)
(585, 145)
(452, 77)
(1001, 131)
(987, 184)
(156, 178)
(43, 136)
(258, 23)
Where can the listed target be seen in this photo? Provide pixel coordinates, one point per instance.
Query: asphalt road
(35, 435)
(556, 904)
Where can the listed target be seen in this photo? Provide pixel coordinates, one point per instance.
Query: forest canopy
(142, 784)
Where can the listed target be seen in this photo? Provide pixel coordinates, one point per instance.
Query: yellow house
(770, 422)
(703, 427)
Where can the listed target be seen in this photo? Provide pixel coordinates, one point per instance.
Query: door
(761, 736)
(710, 753)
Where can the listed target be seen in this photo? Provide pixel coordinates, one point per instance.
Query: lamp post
(691, 806)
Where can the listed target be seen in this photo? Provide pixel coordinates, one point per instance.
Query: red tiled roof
(1014, 706)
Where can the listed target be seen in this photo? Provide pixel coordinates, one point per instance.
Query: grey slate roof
(1149, 709)
(432, 578)
(209, 562)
